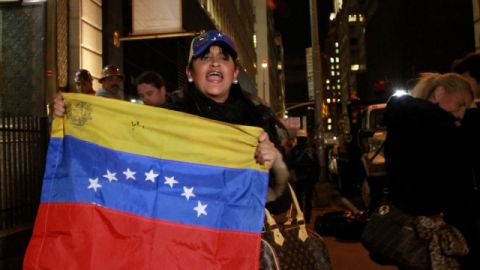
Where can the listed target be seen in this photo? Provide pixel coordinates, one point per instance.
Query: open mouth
(214, 75)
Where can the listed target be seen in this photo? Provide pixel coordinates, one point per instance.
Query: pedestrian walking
(304, 163)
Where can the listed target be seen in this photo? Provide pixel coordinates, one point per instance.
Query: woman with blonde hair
(422, 147)
(433, 86)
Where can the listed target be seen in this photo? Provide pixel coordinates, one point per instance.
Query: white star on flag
(94, 184)
(110, 176)
(129, 174)
(200, 208)
(188, 192)
(170, 181)
(150, 176)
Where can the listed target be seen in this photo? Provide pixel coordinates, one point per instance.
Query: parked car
(371, 139)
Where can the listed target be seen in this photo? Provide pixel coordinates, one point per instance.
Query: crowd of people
(213, 92)
(150, 85)
(431, 150)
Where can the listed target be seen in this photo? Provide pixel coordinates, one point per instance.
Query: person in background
(468, 219)
(304, 162)
(422, 148)
(213, 92)
(151, 88)
(83, 82)
(112, 83)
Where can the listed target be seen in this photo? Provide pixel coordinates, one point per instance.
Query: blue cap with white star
(203, 41)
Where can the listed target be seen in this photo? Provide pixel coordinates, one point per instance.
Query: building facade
(383, 46)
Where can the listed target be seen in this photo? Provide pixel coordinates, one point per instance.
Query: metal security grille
(23, 144)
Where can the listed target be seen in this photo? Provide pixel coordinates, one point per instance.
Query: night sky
(404, 38)
(292, 20)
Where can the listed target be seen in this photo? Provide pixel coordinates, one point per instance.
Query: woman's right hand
(266, 153)
(59, 107)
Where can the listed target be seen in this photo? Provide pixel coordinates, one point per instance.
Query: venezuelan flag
(129, 186)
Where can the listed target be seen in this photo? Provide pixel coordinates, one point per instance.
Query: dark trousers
(304, 188)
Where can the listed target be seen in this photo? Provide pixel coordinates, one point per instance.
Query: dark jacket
(303, 160)
(422, 157)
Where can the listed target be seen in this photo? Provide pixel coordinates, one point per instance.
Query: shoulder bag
(291, 245)
(391, 234)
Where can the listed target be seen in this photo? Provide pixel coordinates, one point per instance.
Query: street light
(264, 68)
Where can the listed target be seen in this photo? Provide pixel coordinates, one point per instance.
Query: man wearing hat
(112, 83)
(83, 82)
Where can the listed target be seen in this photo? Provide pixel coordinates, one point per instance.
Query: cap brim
(204, 47)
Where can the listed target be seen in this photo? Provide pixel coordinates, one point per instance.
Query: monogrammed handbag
(291, 246)
(391, 234)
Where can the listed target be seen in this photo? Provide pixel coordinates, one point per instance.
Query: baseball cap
(204, 40)
(109, 71)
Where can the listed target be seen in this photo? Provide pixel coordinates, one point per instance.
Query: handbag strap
(277, 235)
(302, 232)
(273, 226)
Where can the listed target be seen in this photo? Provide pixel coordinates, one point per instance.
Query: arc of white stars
(110, 176)
(188, 192)
(150, 176)
(94, 184)
(170, 181)
(200, 209)
(129, 174)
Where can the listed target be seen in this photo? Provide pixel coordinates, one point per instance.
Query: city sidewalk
(345, 255)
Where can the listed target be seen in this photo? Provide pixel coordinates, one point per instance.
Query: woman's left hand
(266, 153)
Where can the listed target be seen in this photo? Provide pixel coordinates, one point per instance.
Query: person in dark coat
(213, 91)
(304, 162)
(423, 148)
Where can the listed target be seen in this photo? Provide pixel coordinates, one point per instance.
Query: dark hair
(470, 64)
(83, 75)
(150, 77)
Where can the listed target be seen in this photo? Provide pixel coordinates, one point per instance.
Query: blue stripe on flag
(168, 190)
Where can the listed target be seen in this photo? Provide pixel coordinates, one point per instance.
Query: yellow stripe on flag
(157, 132)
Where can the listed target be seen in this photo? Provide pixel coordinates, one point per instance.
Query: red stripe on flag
(86, 236)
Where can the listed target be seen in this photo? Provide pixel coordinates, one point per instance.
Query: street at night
(171, 134)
